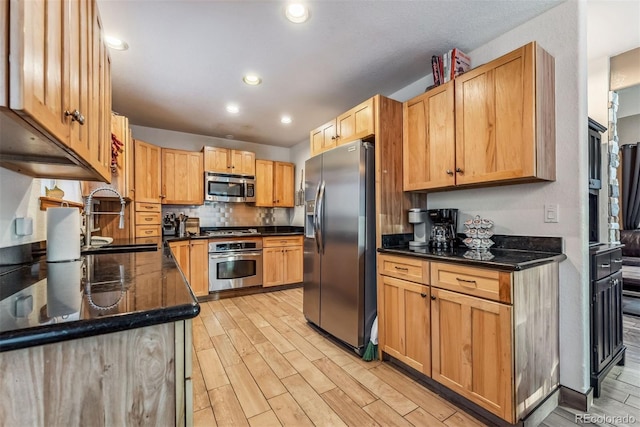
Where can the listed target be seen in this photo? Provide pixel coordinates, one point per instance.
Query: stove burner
(223, 233)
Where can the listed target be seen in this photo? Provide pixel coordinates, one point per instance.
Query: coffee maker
(444, 225)
(169, 225)
(419, 218)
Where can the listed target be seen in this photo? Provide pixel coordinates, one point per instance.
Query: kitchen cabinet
(274, 184)
(182, 177)
(489, 325)
(199, 267)
(356, 123)
(180, 251)
(504, 119)
(404, 313)
(60, 91)
(148, 220)
(147, 172)
(282, 260)
(234, 162)
(607, 344)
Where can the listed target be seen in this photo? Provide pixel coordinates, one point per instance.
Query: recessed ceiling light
(115, 43)
(297, 13)
(233, 109)
(285, 119)
(252, 79)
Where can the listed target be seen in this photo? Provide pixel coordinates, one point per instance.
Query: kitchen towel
(64, 288)
(63, 234)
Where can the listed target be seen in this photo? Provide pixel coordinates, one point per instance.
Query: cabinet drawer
(147, 230)
(607, 263)
(481, 282)
(148, 207)
(407, 268)
(147, 218)
(273, 242)
(157, 240)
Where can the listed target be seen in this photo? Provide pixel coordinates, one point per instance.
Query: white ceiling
(187, 58)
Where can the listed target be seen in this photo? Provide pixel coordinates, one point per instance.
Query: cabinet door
(248, 163)
(323, 137)
(606, 320)
(264, 183)
(101, 101)
(473, 350)
(496, 119)
(406, 325)
(182, 177)
(180, 252)
(292, 258)
(429, 140)
(147, 172)
(283, 184)
(199, 267)
(273, 267)
(37, 81)
(356, 123)
(216, 159)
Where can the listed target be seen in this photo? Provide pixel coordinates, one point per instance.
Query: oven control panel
(231, 246)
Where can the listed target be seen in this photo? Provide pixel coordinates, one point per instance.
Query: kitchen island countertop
(42, 303)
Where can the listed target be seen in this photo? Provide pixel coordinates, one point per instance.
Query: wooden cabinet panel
(481, 282)
(148, 207)
(180, 252)
(147, 172)
(473, 350)
(282, 259)
(323, 137)
(281, 241)
(429, 140)
(293, 259)
(215, 159)
(182, 177)
(264, 183)
(148, 218)
(223, 160)
(356, 123)
(248, 163)
(147, 231)
(273, 270)
(283, 185)
(199, 267)
(406, 268)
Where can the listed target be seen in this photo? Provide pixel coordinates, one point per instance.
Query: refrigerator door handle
(315, 219)
(320, 204)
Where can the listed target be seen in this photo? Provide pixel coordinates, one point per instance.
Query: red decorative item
(116, 149)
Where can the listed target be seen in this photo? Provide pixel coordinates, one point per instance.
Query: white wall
(629, 129)
(192, 142)
(518, 209)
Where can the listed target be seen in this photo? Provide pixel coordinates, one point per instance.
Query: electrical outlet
(551, 212)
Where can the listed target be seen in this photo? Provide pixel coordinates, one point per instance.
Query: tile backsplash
(217, 214)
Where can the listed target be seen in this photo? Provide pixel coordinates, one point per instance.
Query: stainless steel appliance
(418, 217)
(229, 188)
(224, 233)
(339, 243)
(444, 225)
(169, 224)
(235, 264)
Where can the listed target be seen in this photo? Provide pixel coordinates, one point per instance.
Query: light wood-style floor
(257, 362)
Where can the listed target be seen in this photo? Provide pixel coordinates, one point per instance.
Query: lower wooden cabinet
(180, 250)
(281, 260)
(199, 267)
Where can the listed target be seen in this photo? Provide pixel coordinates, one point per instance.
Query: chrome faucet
(88, 220)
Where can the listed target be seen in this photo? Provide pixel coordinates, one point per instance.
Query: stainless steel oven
(229, 188)
(235, 264)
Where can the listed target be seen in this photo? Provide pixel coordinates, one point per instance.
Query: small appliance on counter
(419, 218)
(444, 224)
(169, 225)
(193, 226)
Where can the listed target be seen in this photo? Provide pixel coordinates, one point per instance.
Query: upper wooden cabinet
(147, 172)
(356, 123)
(122, 170)
(234, 162)
(504, 126)
(182, 177)
(59, 83)
(274, 184)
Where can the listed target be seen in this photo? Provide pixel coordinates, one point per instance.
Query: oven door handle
(235, 255)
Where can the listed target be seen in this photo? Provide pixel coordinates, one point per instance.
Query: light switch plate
(551, 212)
(24, 226)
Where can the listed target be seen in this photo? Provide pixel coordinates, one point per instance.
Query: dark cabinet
(606, 312)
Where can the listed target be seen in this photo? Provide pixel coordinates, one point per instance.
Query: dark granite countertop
(265, 231)
(42, 303)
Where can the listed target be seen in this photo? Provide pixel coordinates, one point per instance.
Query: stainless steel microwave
(220, 187)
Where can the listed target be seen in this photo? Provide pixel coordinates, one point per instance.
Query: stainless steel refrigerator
(339, 243)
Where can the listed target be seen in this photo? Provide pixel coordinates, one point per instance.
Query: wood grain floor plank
(240, 341)
(227, 352)
(392, 397)
(420, 417)
(266, 419)
(251, 331)
(225, 320)
(264, 376)
(247, 391)
(201, 339)
(276, 322)
(204, 417)
(633, 401)
(460, 419)
(314, 376)
(304, 346)
(276, 361)
(289, 412)
(316, 409)
(347, 409)
(215, 306)
(226, 407)
(212, 370)
(200, 395)
(356, 391)
(213, 326)
(384, 415)
(268, 305)
(205, 310)
(281, 343)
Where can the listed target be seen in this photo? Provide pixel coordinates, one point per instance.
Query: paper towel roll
(63, 234)
(64, 288)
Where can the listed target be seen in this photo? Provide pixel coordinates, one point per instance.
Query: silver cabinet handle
(449, 172)
(459, 170)
(617, 261)
(605, 265)
(75, 115)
